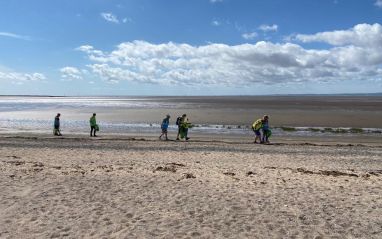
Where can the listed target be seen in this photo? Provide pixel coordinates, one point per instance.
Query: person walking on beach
(266, 131)
(56, 129)
(164, 126)
(178, 124)
(256, 127)
(93, 125)
(184, 126)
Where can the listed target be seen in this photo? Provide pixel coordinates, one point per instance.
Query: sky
(190, 47)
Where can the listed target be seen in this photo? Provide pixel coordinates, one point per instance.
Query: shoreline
(367, 141)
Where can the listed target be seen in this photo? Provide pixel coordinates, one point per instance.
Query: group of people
(183, 126)
(260, 127)
(93, 125)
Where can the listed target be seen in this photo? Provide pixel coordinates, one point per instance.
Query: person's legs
(263, 137)
(267, 135)
(177, 136)
(257, 133)
(160, 137)
(186, 133)
(92, 131)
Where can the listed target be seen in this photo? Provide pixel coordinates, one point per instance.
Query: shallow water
(211, 115)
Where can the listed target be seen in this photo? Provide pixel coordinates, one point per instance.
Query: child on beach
(93, 125)
(56, 128)
(164, 126)
(266, 131)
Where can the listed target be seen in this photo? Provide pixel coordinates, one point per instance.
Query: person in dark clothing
(56, 129)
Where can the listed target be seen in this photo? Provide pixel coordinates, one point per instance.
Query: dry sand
(112, 188)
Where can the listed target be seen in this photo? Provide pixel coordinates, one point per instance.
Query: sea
(224, 115)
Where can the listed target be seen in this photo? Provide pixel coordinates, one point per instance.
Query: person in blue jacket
(164, 126)
(266, 130)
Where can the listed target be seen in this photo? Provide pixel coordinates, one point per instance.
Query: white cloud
(357, 58)
(359, 35)
(70, 73)
(20, 78)
(269, 28)
(110, 17)
(249, 36)
(16, 36)
(378, 3)
(215, 1)
(215, 23)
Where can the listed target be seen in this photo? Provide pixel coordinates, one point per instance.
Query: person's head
(184, 115)
(168, 116)
(265, 118)
(94, 114)
(58, 114)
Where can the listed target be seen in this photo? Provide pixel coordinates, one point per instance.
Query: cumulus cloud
(269, 28)
(378, 3)
(249, 36)
(360, 35)
(357, 58)
(70, 73)
(19, 78)
(110, 17)
(16, 36)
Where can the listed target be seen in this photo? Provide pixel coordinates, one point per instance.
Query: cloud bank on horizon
(355, 53)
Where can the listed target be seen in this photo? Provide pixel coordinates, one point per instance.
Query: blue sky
(190, 47)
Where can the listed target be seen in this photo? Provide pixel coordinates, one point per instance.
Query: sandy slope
(149, 189)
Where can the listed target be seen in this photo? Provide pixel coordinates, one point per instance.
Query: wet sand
(140, 187)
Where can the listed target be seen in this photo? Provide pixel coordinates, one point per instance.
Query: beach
(140, 187)
(321, 176)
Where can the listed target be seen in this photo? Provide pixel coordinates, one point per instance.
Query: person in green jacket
(184, 126)
(93, 125)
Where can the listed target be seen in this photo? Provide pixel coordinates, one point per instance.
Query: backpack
(257, 124)
(178, 120)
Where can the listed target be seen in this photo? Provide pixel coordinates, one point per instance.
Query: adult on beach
(93, 125)
(178, 124)
(164, 126)
(56, 125)
(256, 127)
(184, 126)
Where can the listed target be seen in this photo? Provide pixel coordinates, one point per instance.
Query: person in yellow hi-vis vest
(256, 127)
(184, 126)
